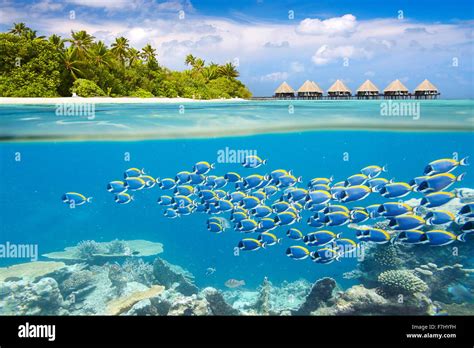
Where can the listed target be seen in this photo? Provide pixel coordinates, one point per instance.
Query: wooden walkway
(353, 97)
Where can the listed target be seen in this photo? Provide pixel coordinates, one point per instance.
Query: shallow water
(33, 213)
(203, 120)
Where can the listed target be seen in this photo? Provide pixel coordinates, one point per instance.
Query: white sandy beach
(109, 100)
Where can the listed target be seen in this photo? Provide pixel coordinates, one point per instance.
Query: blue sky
(275, 41)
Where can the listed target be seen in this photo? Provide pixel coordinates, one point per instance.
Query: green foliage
(141, 93)
(58, 66)
(86, 88)
(29, 68)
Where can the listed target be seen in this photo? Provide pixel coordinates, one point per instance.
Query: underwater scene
(237, 208)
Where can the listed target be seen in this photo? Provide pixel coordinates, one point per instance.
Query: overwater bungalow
(426, 90)
(338, 90)
(284, 91)
(310, 90)
(367, 90)
(396, 90)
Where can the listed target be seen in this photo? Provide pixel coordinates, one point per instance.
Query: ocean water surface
(44, 155)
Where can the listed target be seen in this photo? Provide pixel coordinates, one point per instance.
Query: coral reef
(262, 305)
(404, 282)
(116, 247)
(189, 306)
(279, 300)
(439, 279)
(118, 278)
(99, 253)
(77, 281)
(217, 304)
(122, 304)
(30, 270)
(29, 298)
(86, 249)
(167, 274)
(455, 308)
(139, 270)
(263, 302)
(359, 300)
(320, 294)
(377, 259)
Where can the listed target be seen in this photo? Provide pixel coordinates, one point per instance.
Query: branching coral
(263, 303)
(116, 247)
(403, 282)
(139, 271)
(86, 249)
(440, 278)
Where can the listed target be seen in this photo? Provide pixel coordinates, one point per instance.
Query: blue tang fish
(250, 244)
(123, 198)
(116, 186)
(439, 182)
(294, 233)
(297, 252)
(253, 162)
(202, 167)
(373, 171)
(444, 165)
(76, 198)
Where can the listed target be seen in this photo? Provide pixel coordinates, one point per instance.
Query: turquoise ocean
(44, 154)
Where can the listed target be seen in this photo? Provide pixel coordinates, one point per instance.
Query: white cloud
(175, 6)
(108, 4)
(296, 67)
(333, 26)
(275, 76)
(116, 5)
(326, 54)
(282, 44)
(381, 42)
(46, 6)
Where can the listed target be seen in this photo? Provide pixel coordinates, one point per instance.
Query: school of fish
(265, 208)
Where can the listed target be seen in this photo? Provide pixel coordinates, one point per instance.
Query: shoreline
(157, 100)
(109, 100)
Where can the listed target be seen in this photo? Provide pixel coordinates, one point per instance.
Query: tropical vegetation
(36, 66)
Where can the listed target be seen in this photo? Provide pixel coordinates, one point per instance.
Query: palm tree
(190, 60)
(134, 55)
(120, 48)
(99, 54)
(19, 28)
(149, 53)
(81, 42)
(228, 71)
(199, 65)
(31, 35)
(71, 62)
(211, 72)
(57, 41)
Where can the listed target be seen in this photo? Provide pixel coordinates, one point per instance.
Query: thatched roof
(426, 86)
(284, 88)
(368, 86)
(316, 86)
(395, 86)
(338, 86)
(309, 87)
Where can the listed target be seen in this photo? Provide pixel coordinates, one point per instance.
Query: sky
(276, 41)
